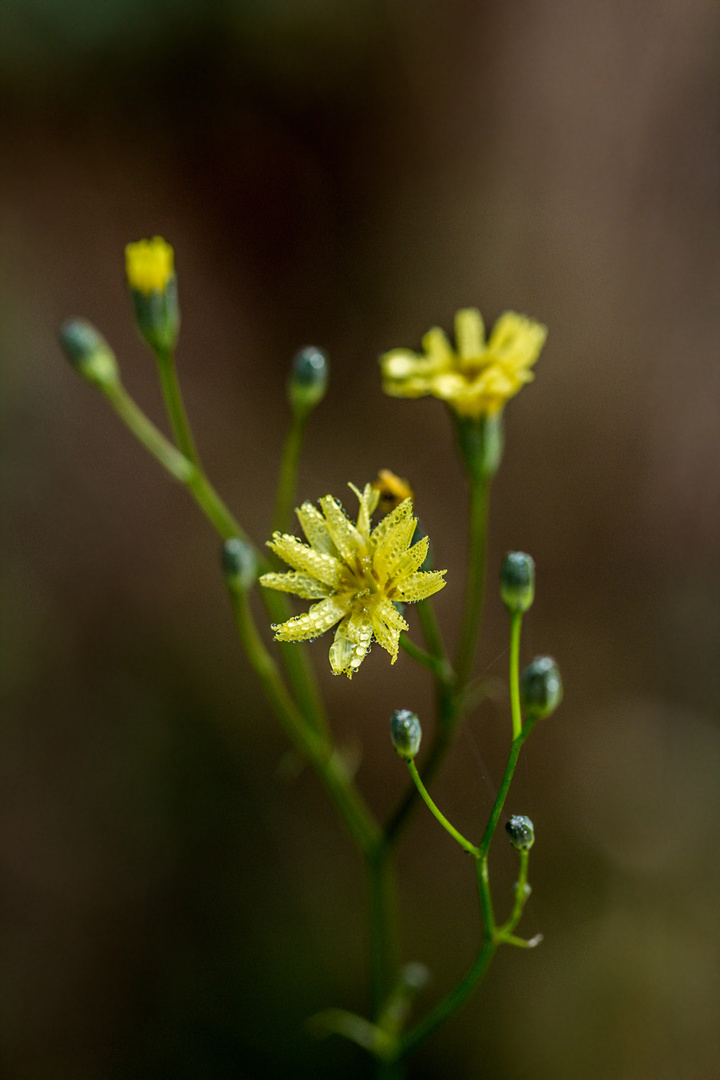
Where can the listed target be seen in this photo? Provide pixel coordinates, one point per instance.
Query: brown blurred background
(174, 898)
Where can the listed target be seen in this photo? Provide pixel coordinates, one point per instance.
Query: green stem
(294, 656)
(174, 462)
(438, 666)
(445, 1008)
(175, 406)
(288, 472)
(475, 588)
(515, 625)
(465, 844)
(316, 749)
(430, 629)
(520, 897)
(447, 712)
(382, 910)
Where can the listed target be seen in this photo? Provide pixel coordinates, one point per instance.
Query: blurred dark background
(175, 897)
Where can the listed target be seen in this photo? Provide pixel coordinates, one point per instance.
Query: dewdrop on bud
(406, 733)
(89, 353)
(521, 832)
(308, 378)
(239, 563)
(150, 272)
(540, 688)
(517, 582)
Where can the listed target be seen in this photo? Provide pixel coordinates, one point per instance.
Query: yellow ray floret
(149, 265)
(478, 376)
(356, 573)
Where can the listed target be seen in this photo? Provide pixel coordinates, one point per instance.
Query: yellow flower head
(393, 489)
(476, 378)
(356, 573)
(149, 265)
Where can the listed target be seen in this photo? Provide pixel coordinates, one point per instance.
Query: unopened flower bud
(239, 563)
(521, 832)
(308, 378)
(150, 271)
(89, 353)
(540, 687)
(517, 582)
(406, 733)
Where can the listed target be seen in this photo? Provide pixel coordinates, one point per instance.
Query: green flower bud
(308, 378)
(150, 270)
(89, 353)
(517, 582)
(406, 733)
(239, 563)
(521, 832)
(540, 687)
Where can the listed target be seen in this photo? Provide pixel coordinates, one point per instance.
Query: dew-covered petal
(344, 534)
(325, 568)
(408, 562)
(420, 585)
(393, 546)
(400, 513)
(353, 639)
(309, 588)
(387, 624)
(313, 623)
(469, 334)
(368, 498)
(314, 526)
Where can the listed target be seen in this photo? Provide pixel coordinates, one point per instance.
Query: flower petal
(400, 513)
(325, 568)
(387, 624)
(517, 340)
(309, 588)
(313, 623)
(344, 535)
(438, 350)
(469, 334)
(368, 501)
(420, 585)
(353, 638)
(314, 526)
(407, 562)
(392, 547)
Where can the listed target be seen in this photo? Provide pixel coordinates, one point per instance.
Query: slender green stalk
(350, 804)
(430, 629)
(475, 589)
(515, 625)
(437, 665)
(294, 657)
(465, 844)
(445, 1008)
(382, 910)
(520, 897)
(174, 462)
(175, 406)
(288, 472)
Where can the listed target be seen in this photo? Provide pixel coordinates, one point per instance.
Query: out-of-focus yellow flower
(356, 573)
(149, 265)
(393, 490)
(476, 378)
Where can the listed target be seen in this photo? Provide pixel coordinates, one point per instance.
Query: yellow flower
(357, 575)
(476, 378)
(149, 265)
(393, 489)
